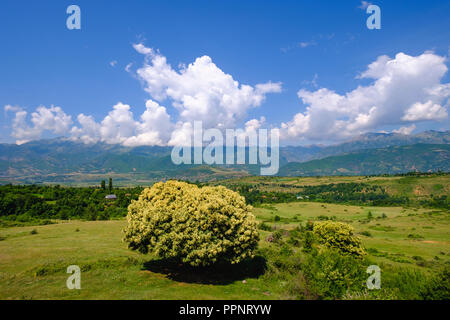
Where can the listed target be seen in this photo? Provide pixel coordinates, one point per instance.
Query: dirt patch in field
(419, 191)
(434, 242)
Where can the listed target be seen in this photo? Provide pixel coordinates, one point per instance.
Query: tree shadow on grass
(219, 273)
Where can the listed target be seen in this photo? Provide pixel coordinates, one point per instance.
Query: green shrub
(34, 231)
(330, 274)
(286, 250)
(308, 241)
(438, 287)
(294, 241)
(411, 284)
(264, 226)
(340, 236)
(407, 283)
(307, 227)
(196, 226)
(366, 233)
(277, 236)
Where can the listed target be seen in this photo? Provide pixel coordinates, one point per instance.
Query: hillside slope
(391, 160)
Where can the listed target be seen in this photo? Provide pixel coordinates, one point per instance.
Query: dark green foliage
(254, 196)
(277, 236)
(438, 287)
(309, 226)
(408, 284)
(366, 233)
(352, 193)
(264, 226)
(349, 193)
(308, 240)
(330, 275)
(38, 204)
(414, 236)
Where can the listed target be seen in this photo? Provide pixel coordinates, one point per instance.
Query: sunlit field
(34, 259)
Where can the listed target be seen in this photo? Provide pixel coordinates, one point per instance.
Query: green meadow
(34, 259)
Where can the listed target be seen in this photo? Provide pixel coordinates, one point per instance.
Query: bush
(308, 241)
(196, 226)
(330, 274)
(264, 226)
(307, 227)
(277, 236)
(408, 284)
(438, 287)
(366, 233)
(411, 284)
(414, 236)
(340, 236)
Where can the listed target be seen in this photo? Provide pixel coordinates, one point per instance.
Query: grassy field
(34, 259)
(405, 233)
(33, 266)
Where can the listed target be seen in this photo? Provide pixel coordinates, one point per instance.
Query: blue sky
(305, 45)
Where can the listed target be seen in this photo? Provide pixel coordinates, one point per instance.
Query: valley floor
(34, 259)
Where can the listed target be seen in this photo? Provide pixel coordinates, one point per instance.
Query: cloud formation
(201, 91)
(52, 119)
(405, 89)
(120, 127)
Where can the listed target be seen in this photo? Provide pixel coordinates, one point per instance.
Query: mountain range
(67, 162)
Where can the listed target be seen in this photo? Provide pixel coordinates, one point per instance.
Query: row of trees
(24, 203)
(349, 193)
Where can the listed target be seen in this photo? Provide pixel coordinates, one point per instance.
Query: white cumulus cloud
(404, 89)
(425, 111)
(405, 130)
(120, 127)
(201, 91)
(52, 119)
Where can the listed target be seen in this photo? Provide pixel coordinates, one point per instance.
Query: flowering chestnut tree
(197, 226)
